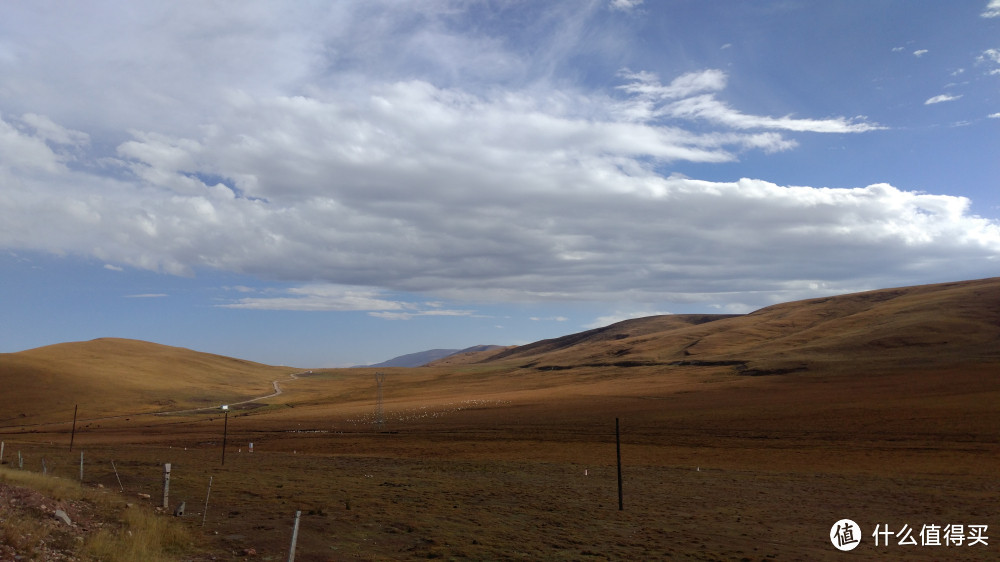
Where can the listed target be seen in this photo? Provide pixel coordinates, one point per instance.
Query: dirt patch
(31, 529)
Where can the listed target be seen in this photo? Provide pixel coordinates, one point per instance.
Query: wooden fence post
(72, 435)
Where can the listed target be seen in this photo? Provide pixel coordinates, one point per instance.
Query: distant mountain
(422, 358)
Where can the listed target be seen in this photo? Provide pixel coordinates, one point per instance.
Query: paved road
(277, 392)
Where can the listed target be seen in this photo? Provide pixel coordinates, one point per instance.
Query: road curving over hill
(277, 392)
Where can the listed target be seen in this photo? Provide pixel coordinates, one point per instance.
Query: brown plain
(743, 437)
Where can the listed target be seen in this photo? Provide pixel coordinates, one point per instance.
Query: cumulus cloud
(353, 187)
(479, 221)
(992, 9)
(941, 98)
(920, 52)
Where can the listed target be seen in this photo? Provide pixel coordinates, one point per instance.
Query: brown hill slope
(109, 376)
(468, 357)
(618, 331)
(943, 326)
(929, 324)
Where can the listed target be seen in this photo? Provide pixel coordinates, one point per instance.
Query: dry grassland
(879, 407)
(716, 467)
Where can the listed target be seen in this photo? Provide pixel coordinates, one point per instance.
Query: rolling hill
(948, 323)
(421, 358)
(880, 405)
(942, 326)
(109, 376)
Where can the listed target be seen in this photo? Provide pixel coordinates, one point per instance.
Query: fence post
(81, 467)
(166, 485)
(204, 513)
(1, 452)
(72, 435)
(118, 478)
(295, 537)
(618, 447)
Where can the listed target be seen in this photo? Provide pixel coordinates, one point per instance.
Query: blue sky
(329, 184)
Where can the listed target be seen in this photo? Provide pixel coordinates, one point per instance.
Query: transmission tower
(379, 412)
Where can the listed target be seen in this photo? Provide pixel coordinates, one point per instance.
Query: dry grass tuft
(24, 535)
(117, 532)
(142, 535)
(55, 488)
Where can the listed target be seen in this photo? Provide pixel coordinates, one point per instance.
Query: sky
(327, 184)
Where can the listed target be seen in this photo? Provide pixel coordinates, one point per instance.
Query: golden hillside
(110, 376)
(922, 325)
(942, 326)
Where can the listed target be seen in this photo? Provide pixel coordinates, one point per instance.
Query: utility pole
(225, 433)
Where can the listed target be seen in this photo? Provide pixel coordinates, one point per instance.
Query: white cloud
(741, 308)
(994, 115)
(989, 55)
(920, 52)
(684, 98)
(333, 297)
(898, 49)
(620, 316)
(992, 9)
(241, 289)
(317, 297)
(941, 98)
(47, 130)
(319, 157)
(439, 207)
(411, 315)
(625, 5)
(25, 149)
